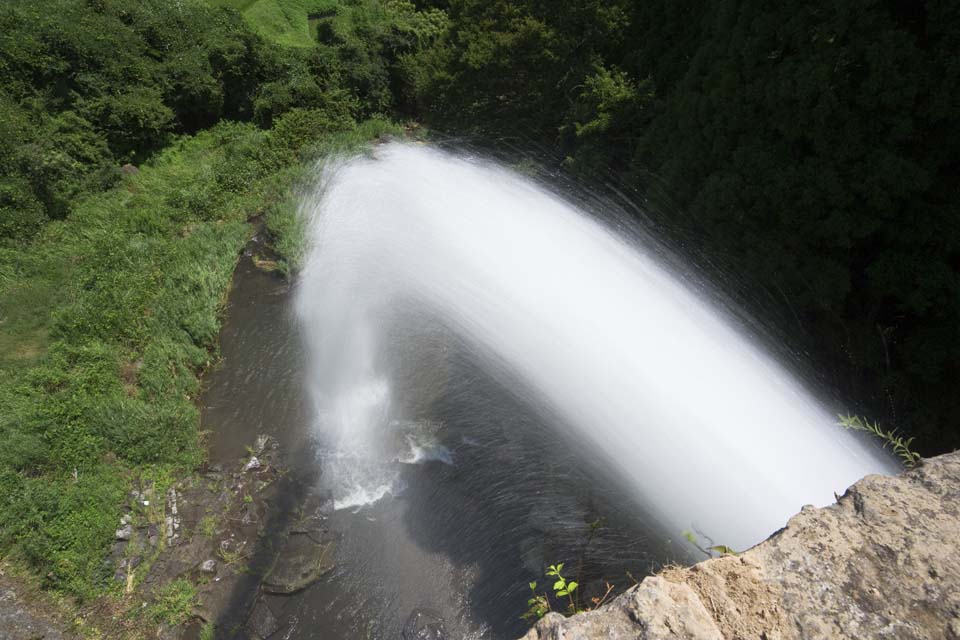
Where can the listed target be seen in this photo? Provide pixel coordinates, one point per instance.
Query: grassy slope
(284, 221)
(282, 21)
(105, 320)
(108, 317)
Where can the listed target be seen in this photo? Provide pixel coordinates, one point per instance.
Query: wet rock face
(882, 562)
(263, 623)
(304, 559)
(424, 624)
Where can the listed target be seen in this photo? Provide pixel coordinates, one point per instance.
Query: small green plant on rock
(900, 446)
(712, 551)
(539, 603)
(231, 555)
(561, 587)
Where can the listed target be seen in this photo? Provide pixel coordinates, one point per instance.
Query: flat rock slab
(262, 621)
(19, 622)
(303, 560)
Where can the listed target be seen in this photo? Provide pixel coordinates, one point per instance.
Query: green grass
(108, 317)
(207, 631)
(282, 21)
(239, 5)
(174, 603)
(284, 221)
(208, 526)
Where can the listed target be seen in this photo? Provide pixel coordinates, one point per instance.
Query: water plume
(412, 247)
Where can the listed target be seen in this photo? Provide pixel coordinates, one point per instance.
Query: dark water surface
(460, 539)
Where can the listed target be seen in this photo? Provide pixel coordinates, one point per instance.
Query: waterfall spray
(699, 423)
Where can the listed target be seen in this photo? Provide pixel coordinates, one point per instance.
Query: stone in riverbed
(300, 563)
(262, 621)
(125, 532)
(252, 465)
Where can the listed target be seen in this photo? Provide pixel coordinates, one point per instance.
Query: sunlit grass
(282, 21)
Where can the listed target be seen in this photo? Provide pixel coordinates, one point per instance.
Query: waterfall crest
(586, 326)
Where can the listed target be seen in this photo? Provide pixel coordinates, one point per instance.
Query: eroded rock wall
(883, 562)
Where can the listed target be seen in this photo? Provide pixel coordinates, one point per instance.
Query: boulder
(262, 621)
(302, 561)
(883, 562)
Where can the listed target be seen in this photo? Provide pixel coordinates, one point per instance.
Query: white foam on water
(362, 496)
(426, 450)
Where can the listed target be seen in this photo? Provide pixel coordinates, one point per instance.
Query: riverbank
(108, 320)
(880, 563)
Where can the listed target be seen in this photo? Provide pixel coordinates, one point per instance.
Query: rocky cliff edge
(883, 562)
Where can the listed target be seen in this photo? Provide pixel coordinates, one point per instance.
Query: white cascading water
(702, 425)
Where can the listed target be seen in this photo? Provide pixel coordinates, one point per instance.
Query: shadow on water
(520, 496)
(463, 539)
(257, 389)
(486, 485)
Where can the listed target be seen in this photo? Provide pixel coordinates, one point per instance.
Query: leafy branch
(713, 551)
(900, 446)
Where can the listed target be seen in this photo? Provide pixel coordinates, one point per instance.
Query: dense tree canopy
(811, 149)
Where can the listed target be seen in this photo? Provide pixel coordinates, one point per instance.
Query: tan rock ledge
(883, 562)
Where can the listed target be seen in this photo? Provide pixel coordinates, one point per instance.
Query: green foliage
(711, 551)
(539, 604)
(208, 526)
(109, 315)
(286, 22)
(85, 87)
(174, 603)
(302, 130)
(132, 120)
(373, 45)
(207, 631)
(900, 446)
(561, 587)
(806, 152)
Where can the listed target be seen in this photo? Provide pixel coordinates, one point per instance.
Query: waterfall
(411, 246)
